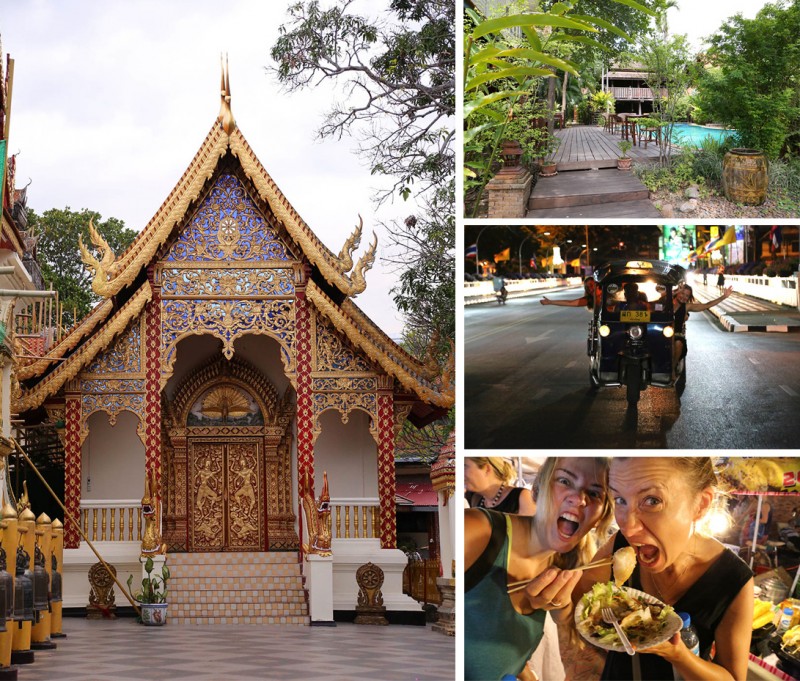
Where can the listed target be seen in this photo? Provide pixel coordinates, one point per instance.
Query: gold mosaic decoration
(228, 282)
(332, 353)
(53, 382)
(228, 235)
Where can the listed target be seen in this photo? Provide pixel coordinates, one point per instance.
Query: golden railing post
(112, 536)
(338, 522)
(374, 521)
(364, 520)
(94, 524)
(103, 526)
(347, 521)
(130, 524)
(85, 515)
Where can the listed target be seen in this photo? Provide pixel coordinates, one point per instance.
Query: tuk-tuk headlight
(635, 332)
(669, 331)
(604, 330)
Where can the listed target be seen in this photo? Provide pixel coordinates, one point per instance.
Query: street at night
(526, 385)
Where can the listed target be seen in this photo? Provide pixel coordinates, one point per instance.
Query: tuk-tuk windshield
(637, 300)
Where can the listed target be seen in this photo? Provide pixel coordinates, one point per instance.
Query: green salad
(640, 619)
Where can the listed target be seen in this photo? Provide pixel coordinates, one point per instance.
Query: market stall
(775, 644)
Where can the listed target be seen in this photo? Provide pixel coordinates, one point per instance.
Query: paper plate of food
(645, 620)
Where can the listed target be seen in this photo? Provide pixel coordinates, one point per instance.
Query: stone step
(620, 209)
(237, 583)
(230, 571)
(234, 557)
(241, 596)
(238, 609)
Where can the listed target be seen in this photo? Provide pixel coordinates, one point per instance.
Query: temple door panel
(227, 499)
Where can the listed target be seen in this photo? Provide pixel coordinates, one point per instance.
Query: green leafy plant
(154, 590)
(625, 146)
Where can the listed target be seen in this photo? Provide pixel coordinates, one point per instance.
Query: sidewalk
(740, 313)
(122, 650)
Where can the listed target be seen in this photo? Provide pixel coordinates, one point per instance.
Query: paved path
(122, 650)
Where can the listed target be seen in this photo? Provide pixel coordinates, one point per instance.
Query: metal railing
(112, 520)
(419, 581)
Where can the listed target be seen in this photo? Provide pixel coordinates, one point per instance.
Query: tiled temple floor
(123, 650)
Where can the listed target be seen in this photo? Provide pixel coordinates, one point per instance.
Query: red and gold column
(72, 468)
(305, 410)
(9, 544)
(152, 385)
(386, 473)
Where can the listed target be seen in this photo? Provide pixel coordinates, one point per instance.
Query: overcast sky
(699, 19)
(112, 100)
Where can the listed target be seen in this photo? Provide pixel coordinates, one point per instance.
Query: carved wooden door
(226, 496)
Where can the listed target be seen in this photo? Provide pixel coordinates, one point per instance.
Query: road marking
(540, 393)
(541, 336)
(754, 360)
(788, 390)
(571, 364)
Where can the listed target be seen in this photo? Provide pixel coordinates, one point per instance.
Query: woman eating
(659, 503)
(502, 630)
(489, 483)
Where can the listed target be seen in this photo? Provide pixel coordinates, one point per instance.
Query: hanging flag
(728, 238)
(503, 255)
(776, 236)
(472, 251)
(710, 245)
(533, 262)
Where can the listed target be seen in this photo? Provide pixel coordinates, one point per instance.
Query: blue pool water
(690, 134)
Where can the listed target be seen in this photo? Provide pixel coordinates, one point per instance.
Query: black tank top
(680, 319)
(706, 601)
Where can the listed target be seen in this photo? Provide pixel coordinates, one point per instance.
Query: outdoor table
(629, 126)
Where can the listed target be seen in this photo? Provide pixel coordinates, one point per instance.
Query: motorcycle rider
(499, 284)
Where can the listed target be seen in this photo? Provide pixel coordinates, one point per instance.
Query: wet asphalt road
(526, 386)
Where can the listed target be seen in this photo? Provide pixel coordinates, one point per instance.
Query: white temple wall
(349, 454)
(112, 459)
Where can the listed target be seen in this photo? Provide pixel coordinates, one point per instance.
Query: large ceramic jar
(744, 176)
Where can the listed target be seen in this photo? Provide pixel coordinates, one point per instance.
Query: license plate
(634, 316)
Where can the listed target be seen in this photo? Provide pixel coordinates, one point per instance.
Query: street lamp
(519, 256)
(477, 257)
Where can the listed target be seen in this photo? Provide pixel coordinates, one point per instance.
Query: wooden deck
(587, 147)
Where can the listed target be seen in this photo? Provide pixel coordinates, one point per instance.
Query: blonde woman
(502, 630)
(489, 483)
(659, 503)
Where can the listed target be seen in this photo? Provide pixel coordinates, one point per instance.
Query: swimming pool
(690, 134)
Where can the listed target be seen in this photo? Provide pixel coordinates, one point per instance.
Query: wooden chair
(649, 133)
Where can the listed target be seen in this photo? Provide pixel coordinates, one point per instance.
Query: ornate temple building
(228, 364)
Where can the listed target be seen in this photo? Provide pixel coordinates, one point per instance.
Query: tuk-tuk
(631, 332)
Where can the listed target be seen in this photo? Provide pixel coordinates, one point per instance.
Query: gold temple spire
(225, 114)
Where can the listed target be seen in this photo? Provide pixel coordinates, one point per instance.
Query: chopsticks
(513, 587)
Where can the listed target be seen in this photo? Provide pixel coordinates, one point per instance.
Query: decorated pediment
(228, 227)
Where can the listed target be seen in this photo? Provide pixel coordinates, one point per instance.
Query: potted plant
(547, 164)
(152, 597)
(624, 161)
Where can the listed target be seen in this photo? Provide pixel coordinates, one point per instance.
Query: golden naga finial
(104, 269)
(431, 368)
(318, 517)
(449, 374)
(344, 263)
(225, 114)
(151, 512)
(23, 502)
(358, 283)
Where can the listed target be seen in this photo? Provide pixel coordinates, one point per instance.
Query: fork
(610, 618)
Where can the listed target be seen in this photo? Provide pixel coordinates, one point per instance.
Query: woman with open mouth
(659, 505)
(533, 554)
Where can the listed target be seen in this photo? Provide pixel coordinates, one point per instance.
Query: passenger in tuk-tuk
(634, 298)
(591, 298)
(684, 303)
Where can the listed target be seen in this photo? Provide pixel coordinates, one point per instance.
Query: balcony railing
(634, 93)
(355, 519)
(112, 520)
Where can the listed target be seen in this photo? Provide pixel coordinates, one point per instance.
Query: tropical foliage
(753, 84)
(507, 58)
